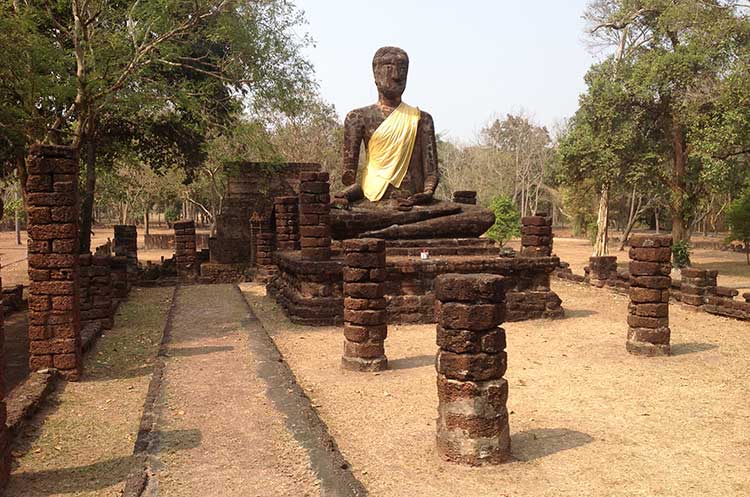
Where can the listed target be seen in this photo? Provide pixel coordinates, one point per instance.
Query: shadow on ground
(80, 478)
(193, 351)
(578, 313)
(692, 347)
(542, 442)
(412, 362)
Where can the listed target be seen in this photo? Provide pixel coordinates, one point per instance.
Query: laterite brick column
(54, 319)
(365, 314)
(648, 313)
(5, 441)
(696, 285)
(100, 289)
(472, 424)
(287, 223)
(602, 269)
(315, 216)
(126, 242)
(119, 273)
(185, 252)
(264, 243)
(84, 285)
(536, 236)
(465, 197)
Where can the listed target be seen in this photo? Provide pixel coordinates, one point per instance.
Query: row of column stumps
(365, 315)
(536, 235)
(186, 254)
(650, 281)
(5, 441)
(472, 423)
(53, 208)
(287, 219)
(314, 216)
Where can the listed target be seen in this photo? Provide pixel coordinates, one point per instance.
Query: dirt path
(81, 442)
(587, 419)
(224, 436)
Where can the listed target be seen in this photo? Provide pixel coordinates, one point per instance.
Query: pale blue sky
(470, 60)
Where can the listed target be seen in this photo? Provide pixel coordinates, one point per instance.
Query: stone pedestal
(287, 223)
(465, 197)
(185, 251)
(365, 314)
(53, 209)
(536, 236)
(472, 425)
(696, 285)
(602, 269)
(648, 312)
(315, 216)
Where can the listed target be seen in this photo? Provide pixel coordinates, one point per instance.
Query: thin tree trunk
(87, 200)
(602, 222)
(677, 204)
(633, 215)
(146, 224)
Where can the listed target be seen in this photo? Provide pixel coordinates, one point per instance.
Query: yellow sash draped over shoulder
(389, 151)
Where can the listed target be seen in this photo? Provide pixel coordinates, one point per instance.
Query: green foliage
(507, 220)
(681, 254)
(738, 220)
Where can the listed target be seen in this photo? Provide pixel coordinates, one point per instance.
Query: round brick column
(648, 312)
(536, 236)
(287, 223)
(315, 216)
(365, 316)
(472, 424)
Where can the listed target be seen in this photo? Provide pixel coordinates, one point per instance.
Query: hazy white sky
(470, 60)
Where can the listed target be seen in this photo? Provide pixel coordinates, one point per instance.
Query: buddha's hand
(339, 201)
(421, 198)
(349, 177)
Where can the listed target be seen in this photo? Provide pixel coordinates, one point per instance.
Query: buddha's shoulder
(363, 113)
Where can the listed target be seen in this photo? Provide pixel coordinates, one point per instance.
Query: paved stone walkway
(218, 432)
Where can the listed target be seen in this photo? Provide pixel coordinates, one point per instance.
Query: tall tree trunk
(678, 185)
(87, 200)
(602, 222)
(146, 224)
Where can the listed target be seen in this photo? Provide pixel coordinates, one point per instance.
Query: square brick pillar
(365, 316)
(315, 216)
(650, 281)
(5, 456)
(54, 313)
(602, 269)
(185, 251)
(697, 285)
(536, 236)
(126, 242)
(472, 425)
(287, 223)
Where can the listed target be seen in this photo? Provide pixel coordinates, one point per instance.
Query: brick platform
(648, 312)
(54, 312)
(365, 316)
(472, 424)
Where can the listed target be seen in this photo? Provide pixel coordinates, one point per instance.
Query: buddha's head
(390, 67)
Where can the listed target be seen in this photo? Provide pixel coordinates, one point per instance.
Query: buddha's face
(390, 71)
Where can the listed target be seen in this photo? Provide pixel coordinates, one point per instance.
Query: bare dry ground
(81, 443)
(587, 419)
(734, 272)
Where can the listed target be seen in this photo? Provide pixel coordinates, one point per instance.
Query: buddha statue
(393, 197)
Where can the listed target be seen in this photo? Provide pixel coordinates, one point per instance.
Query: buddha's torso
(371, 118)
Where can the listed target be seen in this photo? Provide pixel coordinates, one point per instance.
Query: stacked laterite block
(472, 425)
(650, 281)
(4, 434)
(536, 236)
(465, 197)
(287, 219)
(365, 314)
(264, 245)
(119, 275)
(185, 249)
(84, 285)
(602, 269)
(126, 244)
(54, 319)
(314, 216)
(100, 292)
(696, 285)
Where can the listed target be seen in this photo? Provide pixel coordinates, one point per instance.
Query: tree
(688, 60)
(738, 220)
(507, 220)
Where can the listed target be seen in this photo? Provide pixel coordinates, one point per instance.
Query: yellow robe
(389, 151)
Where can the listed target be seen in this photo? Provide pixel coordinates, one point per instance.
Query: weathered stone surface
(650, 241)
(470, 288)
(656, 254)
